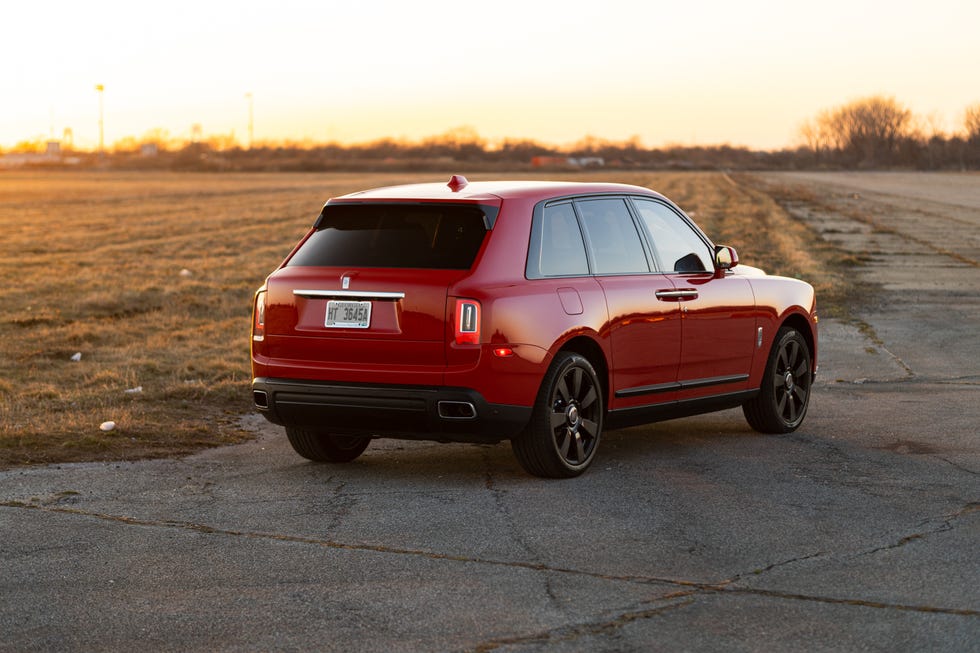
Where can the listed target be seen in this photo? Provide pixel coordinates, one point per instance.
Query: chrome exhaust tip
(456, 410)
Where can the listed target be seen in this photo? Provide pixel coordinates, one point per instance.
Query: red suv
(539, 312)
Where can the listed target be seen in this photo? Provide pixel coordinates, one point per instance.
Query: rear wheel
(324, 447)
(561, 439)
(784, 395)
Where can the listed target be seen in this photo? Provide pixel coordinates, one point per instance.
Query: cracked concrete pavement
(859, 532)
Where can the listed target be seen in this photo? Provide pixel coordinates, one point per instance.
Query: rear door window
(431, 236)
(612, 236)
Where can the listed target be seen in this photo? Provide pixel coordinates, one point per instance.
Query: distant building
(548, 161)
(587, 162)
(567, 162)
(52, 154)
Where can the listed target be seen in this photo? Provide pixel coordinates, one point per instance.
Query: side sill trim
(624, 417)
(680, 385)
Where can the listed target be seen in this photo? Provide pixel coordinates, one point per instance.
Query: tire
(326, 448)
(561, 439)
(784, 394)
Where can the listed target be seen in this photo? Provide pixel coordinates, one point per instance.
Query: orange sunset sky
(694, 72)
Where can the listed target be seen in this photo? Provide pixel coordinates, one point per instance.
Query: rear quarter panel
(527, 315)
(532, 320)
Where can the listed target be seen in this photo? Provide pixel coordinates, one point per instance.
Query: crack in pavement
(575, 631)
(913, 379)
(346, 546)
(515, 533)
(859, 603)
(782, 563)
(957, 466)
(869, 332)
(895, 357)
(946, 526)
(696, 587)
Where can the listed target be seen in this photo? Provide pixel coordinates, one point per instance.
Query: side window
(562, 251)
(678, 246)
(613, 239)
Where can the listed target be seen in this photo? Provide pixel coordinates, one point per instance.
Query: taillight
(258, 317)
(467, 322)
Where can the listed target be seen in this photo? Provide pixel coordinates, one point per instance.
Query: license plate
(348, 315)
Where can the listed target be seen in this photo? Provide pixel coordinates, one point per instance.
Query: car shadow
(397, 461)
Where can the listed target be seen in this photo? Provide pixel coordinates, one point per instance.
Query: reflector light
(503, 352)
(467, 322)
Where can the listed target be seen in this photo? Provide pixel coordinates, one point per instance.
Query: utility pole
(100, 88)
(251, 121)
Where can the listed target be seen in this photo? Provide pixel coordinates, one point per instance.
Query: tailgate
(366, 318)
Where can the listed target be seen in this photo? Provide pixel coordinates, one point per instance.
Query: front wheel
(561, 439)
(784, 395)
(325, 447)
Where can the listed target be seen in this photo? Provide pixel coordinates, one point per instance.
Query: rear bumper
(409, 412)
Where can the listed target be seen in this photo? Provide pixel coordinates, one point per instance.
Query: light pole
(251, 121)
(100, 88)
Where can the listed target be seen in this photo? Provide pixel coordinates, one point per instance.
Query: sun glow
(703, 73)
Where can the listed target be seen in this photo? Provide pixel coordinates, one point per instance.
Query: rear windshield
(434, 236)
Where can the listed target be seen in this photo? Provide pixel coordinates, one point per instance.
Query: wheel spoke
(801, 370)
(800, 395)
(793, 353)
(792, 407)
(589, 398)
(566, 441)
(577, 382)
(579, 449)
(782, 363)
(557, 419)
(590, 427)
(781, 403)
(562, 388)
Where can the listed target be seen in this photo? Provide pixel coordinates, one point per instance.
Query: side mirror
(725, 257)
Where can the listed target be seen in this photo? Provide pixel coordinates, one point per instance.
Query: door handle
(677, 295)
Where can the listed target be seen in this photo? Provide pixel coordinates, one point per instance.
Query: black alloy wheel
(784, 395)
(561, 439)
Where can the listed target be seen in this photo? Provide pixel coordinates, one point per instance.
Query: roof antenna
(457, 183)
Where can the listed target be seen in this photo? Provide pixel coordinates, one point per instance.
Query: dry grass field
(91, 263)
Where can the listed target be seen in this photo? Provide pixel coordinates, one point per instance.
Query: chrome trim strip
(317, 294)
(648, 389)
(715, 380)
(680, 385)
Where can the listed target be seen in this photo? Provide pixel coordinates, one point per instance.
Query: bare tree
(816, 138)
(869, 131)
(971, 122)
(809, 133)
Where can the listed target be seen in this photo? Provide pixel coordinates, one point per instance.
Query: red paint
(639, 336)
